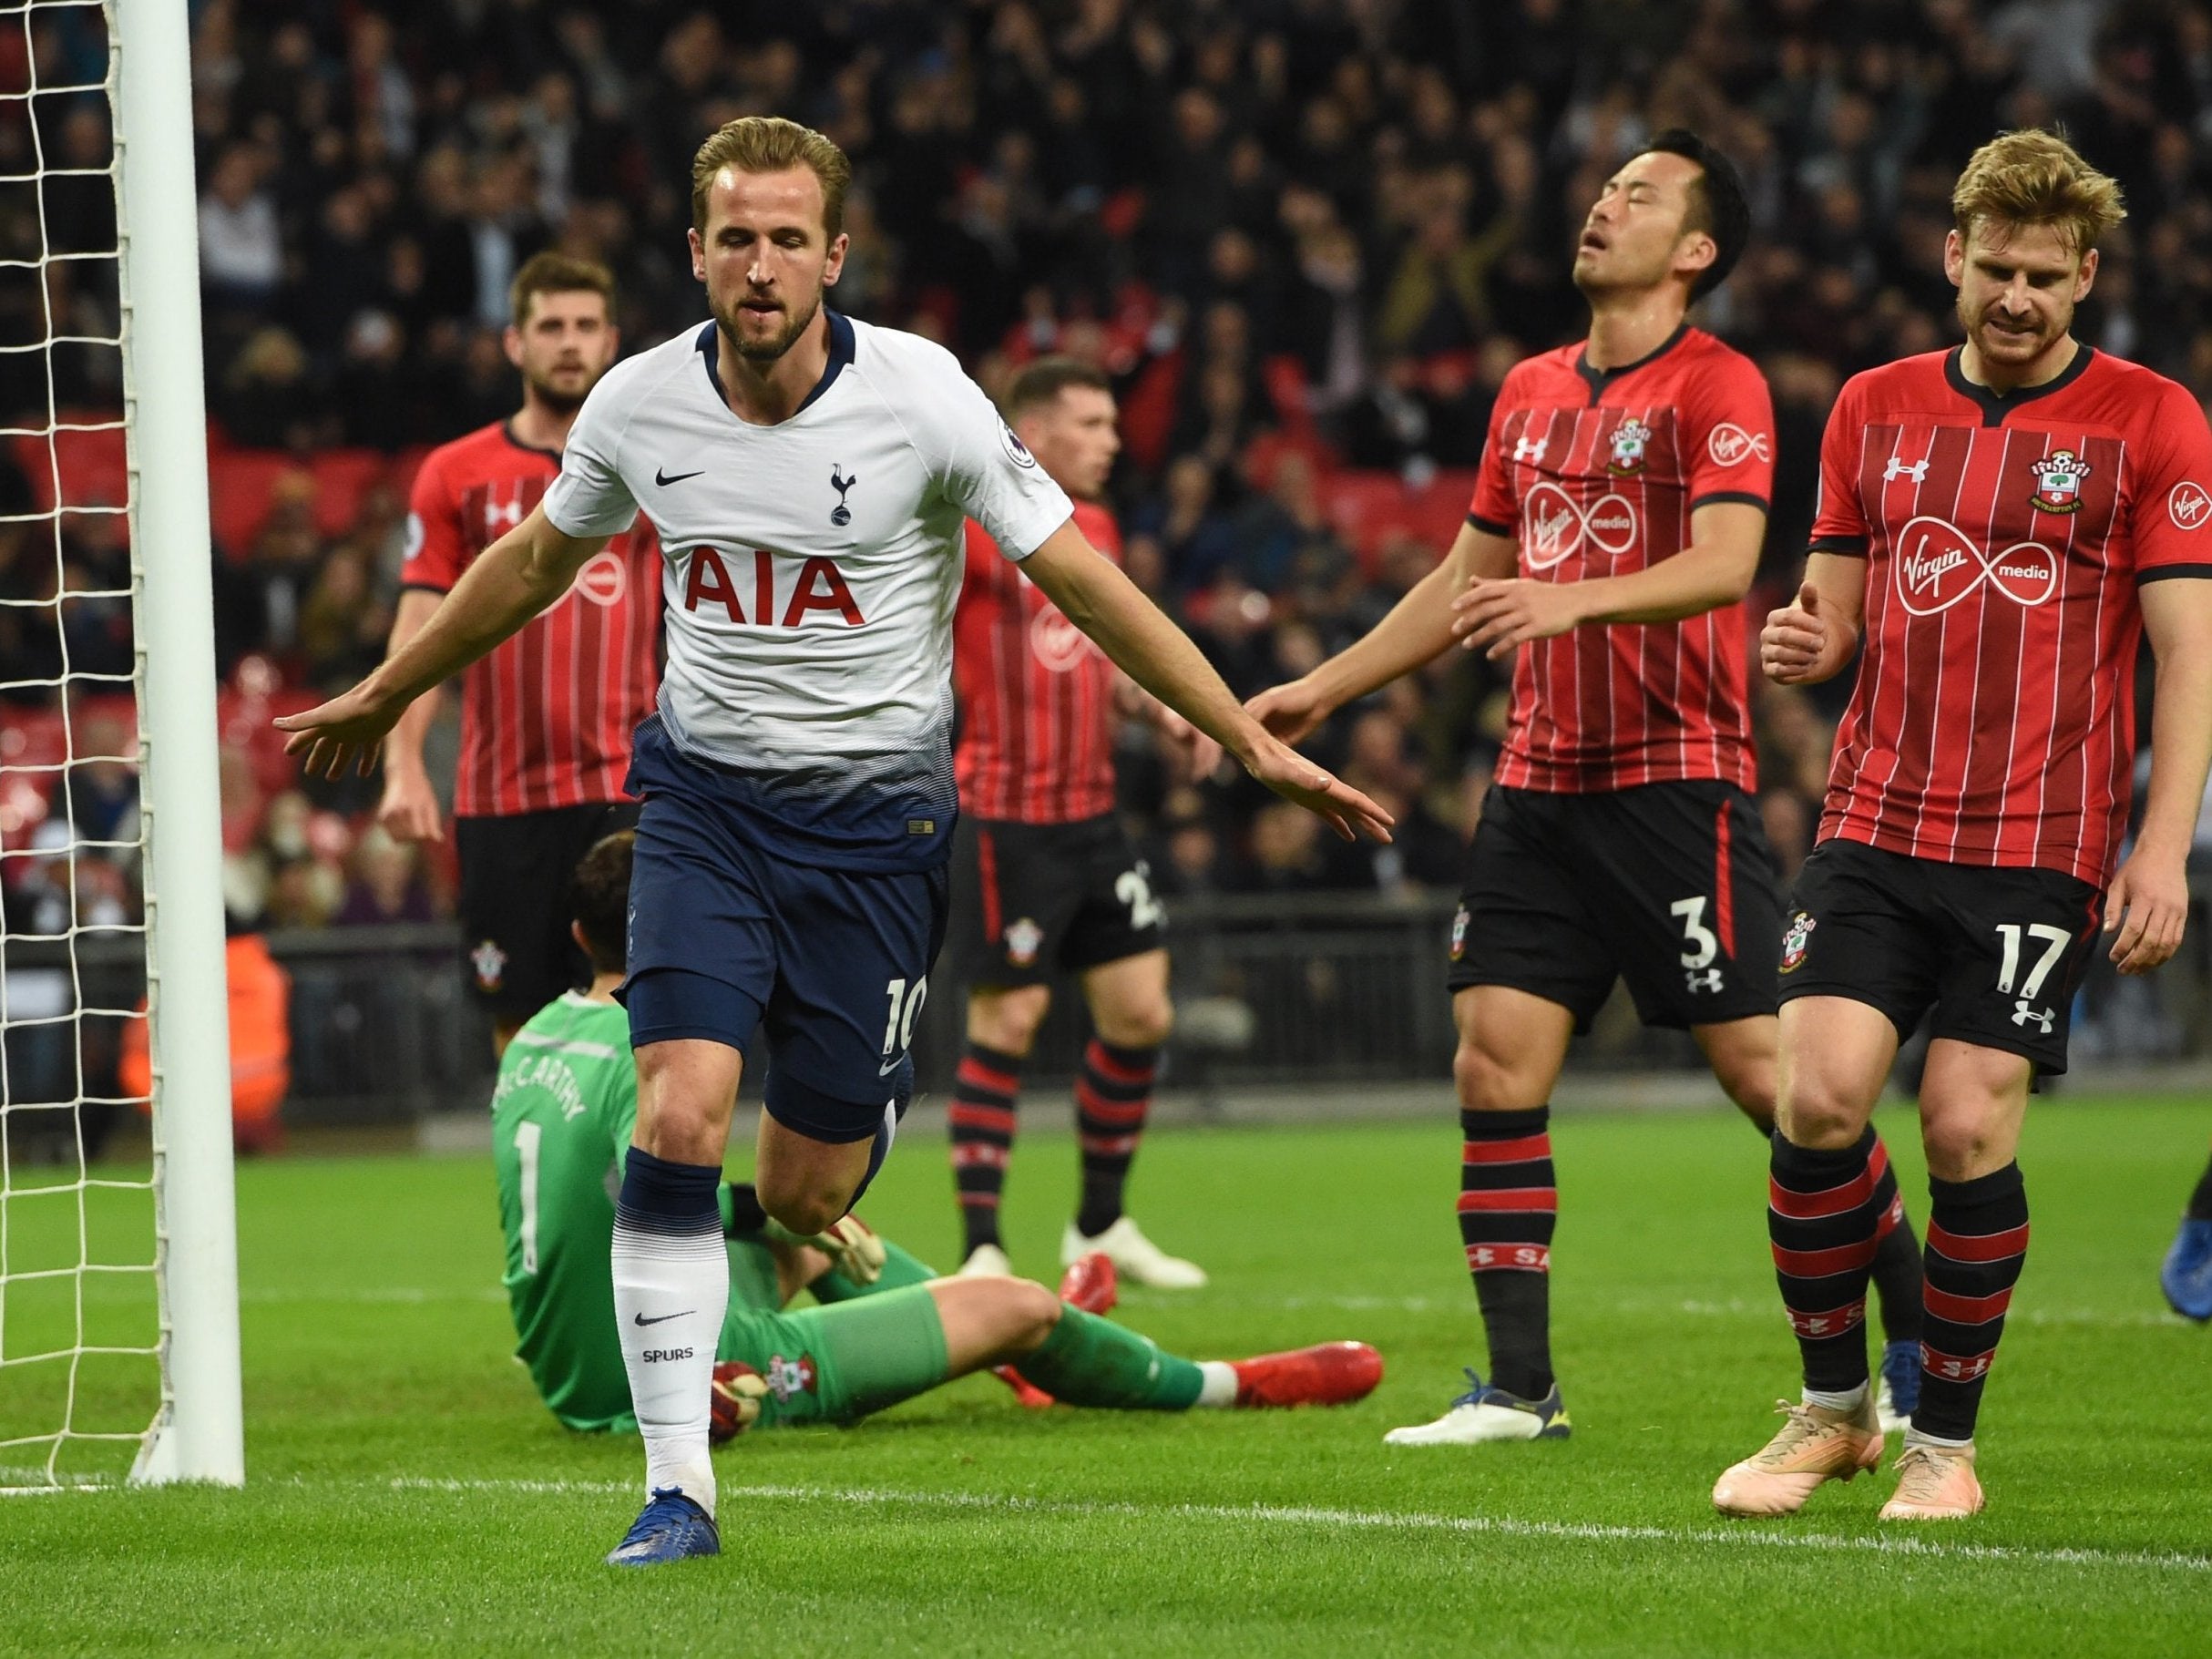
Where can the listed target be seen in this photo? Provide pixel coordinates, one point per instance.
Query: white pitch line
(1380, 1521)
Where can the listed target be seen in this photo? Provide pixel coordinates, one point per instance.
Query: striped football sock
(1508, 1203)
(985, 1090)
(1977, 1243)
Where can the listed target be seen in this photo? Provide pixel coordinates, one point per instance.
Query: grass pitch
(407, 1494)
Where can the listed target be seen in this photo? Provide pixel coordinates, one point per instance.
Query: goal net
(118, 1288)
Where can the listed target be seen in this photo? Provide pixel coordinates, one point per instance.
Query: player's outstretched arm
(1495, 615)
(1813, 637)
(511, 581)
(1091, 592)
(1418, 628)
(409, 810)
(2149, 899)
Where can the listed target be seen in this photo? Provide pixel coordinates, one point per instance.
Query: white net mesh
(80, 1325)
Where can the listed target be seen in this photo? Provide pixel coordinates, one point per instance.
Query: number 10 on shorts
(906, 1008)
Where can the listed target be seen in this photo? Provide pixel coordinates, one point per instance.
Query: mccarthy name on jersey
(811, 572)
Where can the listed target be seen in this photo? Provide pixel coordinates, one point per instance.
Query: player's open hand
(1289, 712)
(344, 731)
(1294, 777)
(409, 810)
(2146, 906)
(1795, 639)
(1495, 614)
(1200, 752)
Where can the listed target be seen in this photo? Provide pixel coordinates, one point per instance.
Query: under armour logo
(1708, 980)
(497, 513)
(841, 514)
(1528, 450)
(2025, 1013)
(1915, 470)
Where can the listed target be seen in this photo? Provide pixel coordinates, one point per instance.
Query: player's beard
(1997, 344)
(775, 346)
(557, 399)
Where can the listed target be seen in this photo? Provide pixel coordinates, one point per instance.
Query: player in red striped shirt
(2001, 523)
(1044, 880)
(546, 718)
(1615, 529)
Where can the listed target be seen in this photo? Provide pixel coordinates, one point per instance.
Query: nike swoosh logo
(661, 1319)
(895, 1065)
(666, 478)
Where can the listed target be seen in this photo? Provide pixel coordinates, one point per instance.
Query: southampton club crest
(2058, 482)
(789, 1377)
(1793, 941)
(1630, 439)
(1023, 940)
(490, 963)
(1459, 934)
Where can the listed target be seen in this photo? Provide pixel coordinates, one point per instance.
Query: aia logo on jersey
(1630, 439)
(2058, 482)
(1057, 643)
(840, 515)
(2188, 505)
(820, 586)
(789, 1377)
(1793, 941)
(1556, 526)
(602, 580)
(1937, 566)
(1730, 445)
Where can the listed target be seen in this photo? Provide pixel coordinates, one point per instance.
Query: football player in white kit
(809, 476)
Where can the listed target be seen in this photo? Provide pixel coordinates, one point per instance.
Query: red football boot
(1026, 1394)
(1327, 1374)
(1092, 1284)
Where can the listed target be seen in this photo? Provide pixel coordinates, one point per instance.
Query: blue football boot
(1900, 1384)
(1489, 1413)
(671, 1528)
(2187, 1277)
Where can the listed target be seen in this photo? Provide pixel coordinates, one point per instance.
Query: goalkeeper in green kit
(884, 1327)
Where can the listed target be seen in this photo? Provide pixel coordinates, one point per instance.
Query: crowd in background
(1302, 235)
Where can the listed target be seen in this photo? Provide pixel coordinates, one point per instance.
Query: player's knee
(1961, 1145)
(1144, 1024)
(1031, 1313)
(1007, 1020)
(1488, 1081)
(1816, 1114)
(802, 1204)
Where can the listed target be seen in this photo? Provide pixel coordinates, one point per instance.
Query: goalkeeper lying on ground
(886, 1328)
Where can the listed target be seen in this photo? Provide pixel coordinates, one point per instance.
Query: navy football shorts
(729, 941)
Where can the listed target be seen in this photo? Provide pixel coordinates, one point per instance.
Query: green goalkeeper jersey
(562, 1115)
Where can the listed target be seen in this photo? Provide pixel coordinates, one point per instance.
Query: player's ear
(575, 932)
(2085, 279)
(512, 341)
(833, 266)
(1954, 257)
(699, 254)
(1696, 253)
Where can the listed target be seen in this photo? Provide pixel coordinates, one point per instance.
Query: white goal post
(200, 1433)
(118, 1284)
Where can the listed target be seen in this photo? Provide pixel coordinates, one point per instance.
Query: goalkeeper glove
(739, 1390)
(850, 1242)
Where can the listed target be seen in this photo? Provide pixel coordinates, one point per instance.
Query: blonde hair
(2035, 178)
(770, 144)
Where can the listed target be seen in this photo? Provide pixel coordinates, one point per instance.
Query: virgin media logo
(1937, 566)
(1554, 524)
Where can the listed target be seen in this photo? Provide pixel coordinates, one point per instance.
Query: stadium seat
(241, 483)
(342, 476)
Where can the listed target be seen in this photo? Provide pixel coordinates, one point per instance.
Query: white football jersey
(811, 566)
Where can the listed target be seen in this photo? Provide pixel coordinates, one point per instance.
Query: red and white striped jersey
(547, 717)
(1036, 744)
(1994, 718)
(1595, 473)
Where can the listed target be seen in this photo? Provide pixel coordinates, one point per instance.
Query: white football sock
(671, 1292)
(1846, 1401)
(1218, 1387)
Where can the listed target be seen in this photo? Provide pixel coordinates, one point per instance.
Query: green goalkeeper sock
(1091, 1361)
(899, 1271)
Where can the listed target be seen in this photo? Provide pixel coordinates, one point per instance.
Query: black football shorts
(517, 954)
(1670, 887)
(1033, 901)
(1997, 953)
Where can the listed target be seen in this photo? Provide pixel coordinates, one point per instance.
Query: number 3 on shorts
(1700, 944)
(906, 1008)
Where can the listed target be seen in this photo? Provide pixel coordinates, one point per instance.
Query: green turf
(407, 1494)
